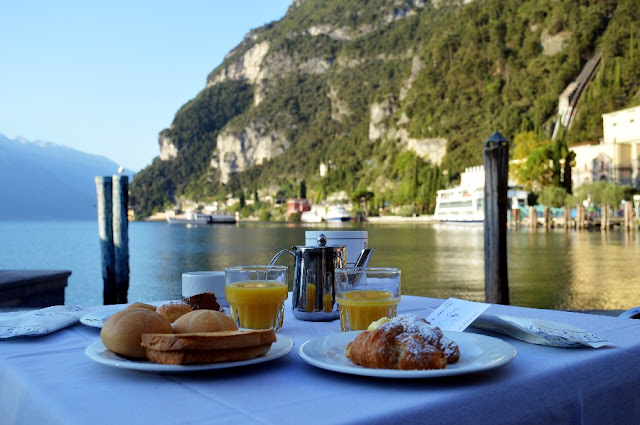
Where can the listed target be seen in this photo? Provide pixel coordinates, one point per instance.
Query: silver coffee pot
(313, 278)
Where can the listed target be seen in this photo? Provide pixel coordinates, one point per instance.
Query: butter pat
(378, 323)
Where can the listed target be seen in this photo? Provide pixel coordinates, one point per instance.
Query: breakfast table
(50, 379)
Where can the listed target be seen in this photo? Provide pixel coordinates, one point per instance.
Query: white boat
(337, 213)
(198, 217)
(465, 203)
(310, 217)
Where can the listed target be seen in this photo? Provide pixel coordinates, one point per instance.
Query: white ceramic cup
(354, 240)
(205, 281)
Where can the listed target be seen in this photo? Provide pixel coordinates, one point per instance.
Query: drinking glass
(365, 295)
(256, 295)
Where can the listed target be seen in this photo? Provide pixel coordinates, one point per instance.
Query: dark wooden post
(496, 169)
(547, 218)
(105, 229)
(121, 236)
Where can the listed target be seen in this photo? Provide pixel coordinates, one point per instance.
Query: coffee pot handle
(275, 258)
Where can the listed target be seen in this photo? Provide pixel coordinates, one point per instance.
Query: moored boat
(310, 217)
(198, 217)
(337, 213)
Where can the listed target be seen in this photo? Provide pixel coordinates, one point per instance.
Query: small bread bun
(142, 305)
(122, 332)
(204, 321)
(174, 310)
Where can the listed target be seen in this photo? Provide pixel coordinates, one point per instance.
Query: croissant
(432, 334)
(406, 342)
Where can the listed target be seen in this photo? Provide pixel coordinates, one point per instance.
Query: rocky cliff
(258, 62)
(391, 93)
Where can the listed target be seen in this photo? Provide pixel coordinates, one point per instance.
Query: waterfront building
(617, 157)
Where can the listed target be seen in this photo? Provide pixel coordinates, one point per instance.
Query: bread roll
(172, 311)
(204, 321)
(122, 332)
(142, 305)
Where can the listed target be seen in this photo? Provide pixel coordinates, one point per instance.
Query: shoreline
(376, 220)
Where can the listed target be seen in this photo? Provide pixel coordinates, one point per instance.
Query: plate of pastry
(477, 353)
(100, 354)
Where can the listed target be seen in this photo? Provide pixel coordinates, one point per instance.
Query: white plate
(99, 353)
(477, 353)
(97, 318)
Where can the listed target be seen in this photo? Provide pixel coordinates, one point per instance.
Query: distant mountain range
(42, 180)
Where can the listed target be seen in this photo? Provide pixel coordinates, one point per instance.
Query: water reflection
(556, 269)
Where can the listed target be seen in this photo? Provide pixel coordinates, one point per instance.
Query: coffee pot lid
(322, 245)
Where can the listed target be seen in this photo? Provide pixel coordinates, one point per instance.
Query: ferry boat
(198, 217)
(465, 203)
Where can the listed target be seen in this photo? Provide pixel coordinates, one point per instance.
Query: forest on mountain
(440, 70)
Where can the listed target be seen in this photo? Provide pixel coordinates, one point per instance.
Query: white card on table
(456, 315)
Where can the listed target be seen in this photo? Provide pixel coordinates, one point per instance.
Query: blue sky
(106, 77)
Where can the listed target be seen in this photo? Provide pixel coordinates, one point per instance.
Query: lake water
(556, 270)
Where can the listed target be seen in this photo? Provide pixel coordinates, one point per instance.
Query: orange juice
(257, 304)
(361, 307)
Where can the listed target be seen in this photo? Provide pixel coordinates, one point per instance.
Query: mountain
(42, 180)
(393, 97)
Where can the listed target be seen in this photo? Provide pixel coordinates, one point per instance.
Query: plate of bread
(406, 346)
(179, 337)
(282, 346)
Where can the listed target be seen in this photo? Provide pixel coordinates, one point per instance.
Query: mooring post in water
(547, 217)
(121, 236)
(105, 229)
(533, 218)
(496, 169)
(628, 215)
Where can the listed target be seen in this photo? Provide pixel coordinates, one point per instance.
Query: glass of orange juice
(256, 295)
(365, 295)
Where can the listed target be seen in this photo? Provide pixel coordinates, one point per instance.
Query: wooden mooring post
(517, 220)
(533, 218)
(496, 168)
(547, 218)
(604, 220)
(113, 199)
(628, 215)
(567, 218)
(121, 235)
(580, 217)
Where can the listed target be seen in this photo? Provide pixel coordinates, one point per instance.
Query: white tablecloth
(49, 380)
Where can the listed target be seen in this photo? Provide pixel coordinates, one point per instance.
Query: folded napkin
(541, 332)
(40, 322)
